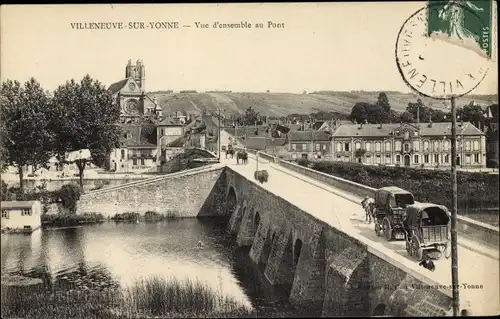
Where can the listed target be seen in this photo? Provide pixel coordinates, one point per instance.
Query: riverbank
(148, 298)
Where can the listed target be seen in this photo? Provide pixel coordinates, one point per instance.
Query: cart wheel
(377, 228)
(447, 250)
(386, 226)
(408, 246)
(418, 252)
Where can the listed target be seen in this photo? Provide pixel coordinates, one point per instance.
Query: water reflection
(112, 255)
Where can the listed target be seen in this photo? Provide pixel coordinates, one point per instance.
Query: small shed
(22, 216)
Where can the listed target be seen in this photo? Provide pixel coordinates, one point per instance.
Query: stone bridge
(309, 235)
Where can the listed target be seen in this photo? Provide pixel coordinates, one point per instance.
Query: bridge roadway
(478, 265)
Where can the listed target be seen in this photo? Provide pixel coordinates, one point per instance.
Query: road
(478, 265)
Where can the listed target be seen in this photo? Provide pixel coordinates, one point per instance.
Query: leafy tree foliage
(27, 136)
(380, 112)
(250, 117)
(87, 120)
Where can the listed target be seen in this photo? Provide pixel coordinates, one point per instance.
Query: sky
(323, 46)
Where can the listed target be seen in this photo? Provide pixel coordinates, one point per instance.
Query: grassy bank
(149, 216)
(477, 192)
(146, 298)
(67, 220)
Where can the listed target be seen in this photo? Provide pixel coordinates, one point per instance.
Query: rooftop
(426, 129)
(17, 204)
(138, 135)
(299, 136)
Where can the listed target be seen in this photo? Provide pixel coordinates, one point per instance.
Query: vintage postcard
(249, 160)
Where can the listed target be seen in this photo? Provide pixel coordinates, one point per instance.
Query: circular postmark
(443, 50)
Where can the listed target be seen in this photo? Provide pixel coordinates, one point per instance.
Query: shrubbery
(475, 190)
(72, 220)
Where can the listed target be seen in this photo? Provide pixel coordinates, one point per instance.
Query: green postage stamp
(467, 22)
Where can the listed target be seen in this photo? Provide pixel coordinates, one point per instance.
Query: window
(388, 159)
(358, 145)
(426, 158)
(467, 159)
(377, 159)
(134, 161)
(476, 158)
(324, 147)
(304, 147)
(476, 145)
(26, 212)
(398, 158)
(346, 147)
(317, 147)
(447, 158)
(446, 146)
(467, 145)
(407, 135)
(397, 145)
(5, 213)
(123, 153)
(387, 146)
(415, 159)
(339, 147)
(436, 158)
(338, 157)
(426, 146)
(436, 146)
(294, 147)
(368, 146)
(377, 146)
(407, 147)
(416, 145)
(142, 161)
(415, 133)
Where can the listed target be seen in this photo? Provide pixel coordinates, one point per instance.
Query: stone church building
(130, 94)
(139, 113)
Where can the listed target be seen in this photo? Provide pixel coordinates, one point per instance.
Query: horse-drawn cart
(427, 229)
(390, 211)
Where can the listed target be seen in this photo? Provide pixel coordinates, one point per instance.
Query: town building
(23, 216)
(138, 150)
(416, 145)
(309, 145)
(171, 140)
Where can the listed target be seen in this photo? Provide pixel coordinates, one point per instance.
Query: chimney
(380, 126)
(360, 126)
(430, 122)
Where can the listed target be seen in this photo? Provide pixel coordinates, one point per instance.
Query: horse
(243, 156)
(230, 151)
(368, 205)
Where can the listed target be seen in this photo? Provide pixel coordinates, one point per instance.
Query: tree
(406, 117)
(383, 102)
(359, 112)
(473, 113)
(87, 120)
(250, 117)
(27, 136)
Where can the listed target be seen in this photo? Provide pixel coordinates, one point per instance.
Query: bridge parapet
(477, 231)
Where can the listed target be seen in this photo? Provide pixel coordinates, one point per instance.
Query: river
(120, 253)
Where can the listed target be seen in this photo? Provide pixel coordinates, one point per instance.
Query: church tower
(137, 72)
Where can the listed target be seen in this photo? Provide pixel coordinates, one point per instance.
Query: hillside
(282, 104)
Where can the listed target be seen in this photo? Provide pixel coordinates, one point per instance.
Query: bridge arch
(231, 201)
(297, 248)
(379, 310)
(256, 220)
